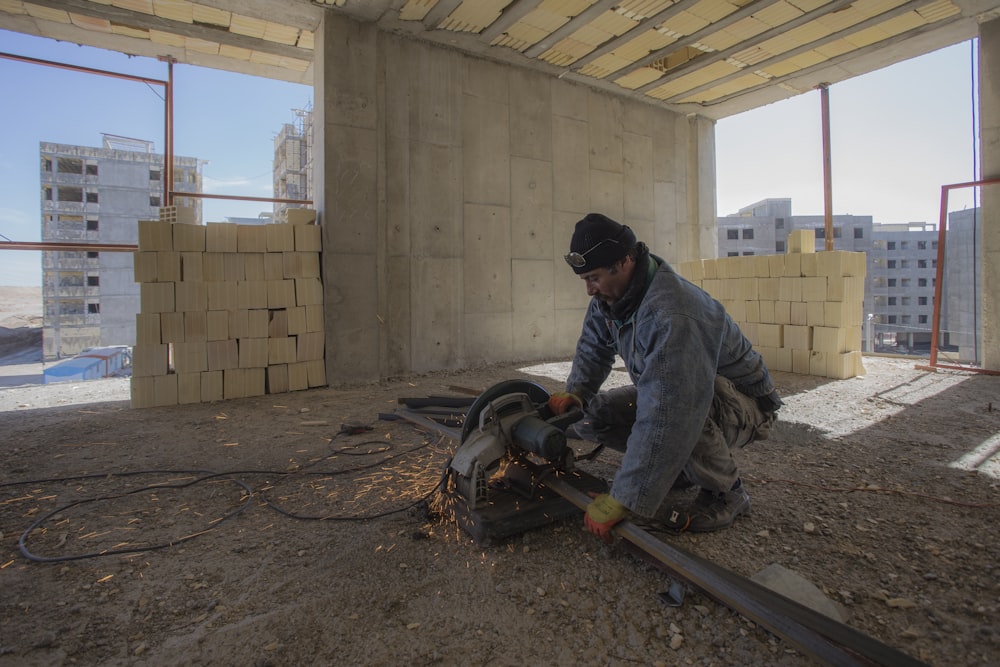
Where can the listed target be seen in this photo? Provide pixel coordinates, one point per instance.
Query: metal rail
(62, 246)
(939, 276)
(816, 635)
(202, 195)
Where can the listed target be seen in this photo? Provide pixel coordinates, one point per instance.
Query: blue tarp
(91, 364)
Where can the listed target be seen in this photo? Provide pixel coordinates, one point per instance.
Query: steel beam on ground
(816, 635)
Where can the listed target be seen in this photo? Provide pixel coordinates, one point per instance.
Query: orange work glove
(603, 513)
(563, 401)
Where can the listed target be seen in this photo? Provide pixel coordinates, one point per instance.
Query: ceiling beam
(710, 58)
(711, 28)
(148, 22)
(440, 12)
(773, 60)
(654, 20)
(513, 13)
(571, 26)
(863, 51)
(297, 13)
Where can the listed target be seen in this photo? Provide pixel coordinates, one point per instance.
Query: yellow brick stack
(227, 311)
(801, 310)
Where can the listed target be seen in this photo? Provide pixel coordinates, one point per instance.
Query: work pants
(734, 421)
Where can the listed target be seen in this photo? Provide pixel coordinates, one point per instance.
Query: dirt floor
(252, 532)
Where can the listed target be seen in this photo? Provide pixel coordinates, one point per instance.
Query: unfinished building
(96, 196)
(293, 162)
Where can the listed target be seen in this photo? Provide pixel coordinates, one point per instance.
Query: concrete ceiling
(711, 57)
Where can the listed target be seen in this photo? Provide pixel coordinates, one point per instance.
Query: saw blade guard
(482, 450)
(506, 420)
(536, 393)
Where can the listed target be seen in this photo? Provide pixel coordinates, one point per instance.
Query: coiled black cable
(353, 449)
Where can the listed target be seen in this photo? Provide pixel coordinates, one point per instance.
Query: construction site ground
(253, 532)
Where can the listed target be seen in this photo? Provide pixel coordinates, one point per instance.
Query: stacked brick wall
(801, 310)
(227, 310)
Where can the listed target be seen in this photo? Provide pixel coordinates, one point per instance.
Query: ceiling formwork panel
(167, 38)
(719, 41)
(747, 28)
(138, 33)
(684, 83)
(250, 27)
(174, 10)
(626, 54)
(837, 47)
(713, 10)
(90, 23)
(144, 6)
(638, 78)
(937, 11)
(778, 14)
(701, 56)
(583, 42)
(752, 56)
(473, 16)
(212, 16)
(639, 10)
(746, 82)
(47, 14)
(684, 23)
(416, 10)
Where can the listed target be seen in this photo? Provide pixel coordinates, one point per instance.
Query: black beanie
(588, 235)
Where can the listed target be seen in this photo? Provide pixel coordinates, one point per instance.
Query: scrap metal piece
(674, 595)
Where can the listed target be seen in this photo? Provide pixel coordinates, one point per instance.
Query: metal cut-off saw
(510, 442)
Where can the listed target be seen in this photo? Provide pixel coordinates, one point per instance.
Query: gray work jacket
(674, 344)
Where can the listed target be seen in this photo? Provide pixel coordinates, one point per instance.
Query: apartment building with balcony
(98, 195)
(902, 263)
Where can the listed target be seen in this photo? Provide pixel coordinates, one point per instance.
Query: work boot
(715, 510)
(682, 482)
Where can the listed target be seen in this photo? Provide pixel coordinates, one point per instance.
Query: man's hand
(562, 401)
(603, 513)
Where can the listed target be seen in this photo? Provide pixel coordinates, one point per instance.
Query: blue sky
(898, 134)
(227, 119)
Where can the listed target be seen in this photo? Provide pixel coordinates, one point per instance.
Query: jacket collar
(624, 309)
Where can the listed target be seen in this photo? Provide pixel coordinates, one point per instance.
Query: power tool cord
(352, 449)
(22, 541)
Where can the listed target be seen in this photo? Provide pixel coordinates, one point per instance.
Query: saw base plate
(510, 513)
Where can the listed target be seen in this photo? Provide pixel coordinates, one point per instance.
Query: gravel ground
(878, 490)
(316, 547)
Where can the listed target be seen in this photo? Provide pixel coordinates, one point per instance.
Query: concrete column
(701, 186)
(345, 170)
(989, 129)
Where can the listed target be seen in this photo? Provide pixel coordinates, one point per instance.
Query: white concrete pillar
(701, 186)
(989, 129)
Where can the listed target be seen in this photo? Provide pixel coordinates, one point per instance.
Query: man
(699, 389)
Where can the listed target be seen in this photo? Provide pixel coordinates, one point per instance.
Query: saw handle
(498, 407)
(563, 421)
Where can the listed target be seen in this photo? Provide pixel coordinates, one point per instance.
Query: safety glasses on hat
(579, 259)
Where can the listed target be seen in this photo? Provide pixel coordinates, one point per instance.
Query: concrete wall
(448, 188)
(989, 132)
